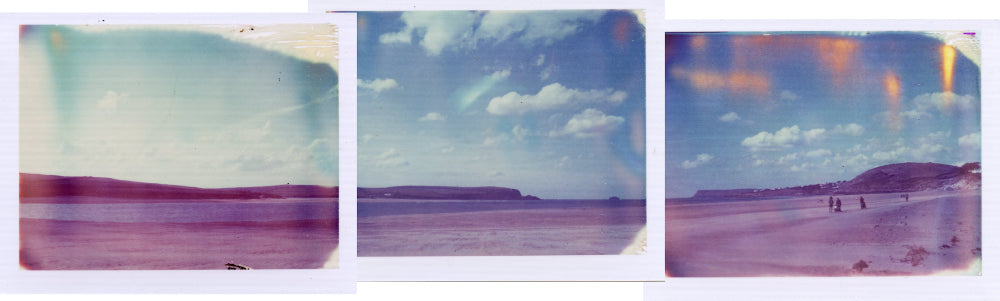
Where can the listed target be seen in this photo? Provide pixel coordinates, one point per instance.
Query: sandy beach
(282, 234)
(477, 228)
(933, 232)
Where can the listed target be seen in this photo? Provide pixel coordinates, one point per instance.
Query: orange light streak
(947, 70)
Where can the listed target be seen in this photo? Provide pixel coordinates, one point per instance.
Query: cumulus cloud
(432, 116)
(788, 159)
(784, 138)
(540, 60)
(550, 97)
(378, 85)
(852, 129)
(973, 140)
(699, 160)
(729, 117)
(590, 123)
(946, 103)
(437, 31)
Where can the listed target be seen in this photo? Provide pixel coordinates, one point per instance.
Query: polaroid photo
(833, 154)
(506, 145)
(188, 153)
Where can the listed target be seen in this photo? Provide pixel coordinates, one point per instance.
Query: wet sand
(467, 228)
(935, 232)
(189, 243)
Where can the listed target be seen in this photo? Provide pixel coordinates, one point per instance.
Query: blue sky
(548, 102)
(205, 106)
(755, 110)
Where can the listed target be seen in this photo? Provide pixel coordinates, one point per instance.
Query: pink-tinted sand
(518, 231)
(50, 244)
(934, 232)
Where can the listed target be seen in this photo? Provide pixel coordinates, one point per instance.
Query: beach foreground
(395, 227)
(187, 235)
(933, 232)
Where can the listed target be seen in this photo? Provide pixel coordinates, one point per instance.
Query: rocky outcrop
(443, 193)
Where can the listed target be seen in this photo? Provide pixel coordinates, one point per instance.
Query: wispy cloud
(378, 85)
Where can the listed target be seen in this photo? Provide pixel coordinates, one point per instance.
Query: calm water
(375, 208)
(184, 212)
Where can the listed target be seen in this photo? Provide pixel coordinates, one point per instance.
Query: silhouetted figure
(831, 204)
(837, 209)
(863, 205)
(907, 197)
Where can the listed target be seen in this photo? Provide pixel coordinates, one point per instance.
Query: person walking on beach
(863, 205)
(831, 204)
(838, 206)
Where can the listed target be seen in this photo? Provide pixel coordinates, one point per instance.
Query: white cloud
(437, 31)
(110, 101)
(529, 27)
(813, 135)
(819, 153)
(447, 150)
(945, 102)
(699, 160)
(432, 116)
(502, 74)
(495, 173)
(891, 155)
(547, 72)
(378, 85)
(852, 129)
(519, 132)
(494, 140)
(784, 138)
(540, 60)
(973, 140)
(590, 123)
(549, 97)
(391, 158)
(367, 137)
(788, 95)
(729, 117)
(788, 159)
(563, 161)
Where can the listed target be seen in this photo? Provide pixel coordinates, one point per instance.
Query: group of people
(838, 204)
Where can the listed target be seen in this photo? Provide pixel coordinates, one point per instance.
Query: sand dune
(933, 232)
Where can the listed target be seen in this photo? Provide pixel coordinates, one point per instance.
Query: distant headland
(899, 177)
(443, 193)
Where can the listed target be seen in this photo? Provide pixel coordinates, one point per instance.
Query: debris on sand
(915, 256)
(860, 266)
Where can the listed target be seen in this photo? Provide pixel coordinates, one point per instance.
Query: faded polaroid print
(823, 154)
(501, 133)
(178, 147)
